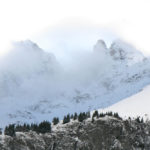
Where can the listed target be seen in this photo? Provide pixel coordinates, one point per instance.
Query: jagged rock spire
(100, 46)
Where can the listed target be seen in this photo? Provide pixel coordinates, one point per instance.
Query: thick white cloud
(20, 19)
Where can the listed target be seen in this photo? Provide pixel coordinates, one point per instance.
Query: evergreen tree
(101, 115)
(75, 116)
(109, 113)
(10, 130)
(44, 127)
(142, 120)
(34, 127)
(138, 120)
(66, 119)
(55, 120)
(80, 117)
(71, 117)
(95, 114)
(117, 116)
(0, 131)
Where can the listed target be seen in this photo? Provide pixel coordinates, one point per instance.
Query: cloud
(35, 81)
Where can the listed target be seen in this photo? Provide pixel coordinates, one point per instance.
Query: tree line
(45, 126)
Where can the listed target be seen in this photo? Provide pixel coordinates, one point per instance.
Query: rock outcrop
(106, 133)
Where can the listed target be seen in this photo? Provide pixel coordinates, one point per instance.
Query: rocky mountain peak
(121, 50)
(100, 46)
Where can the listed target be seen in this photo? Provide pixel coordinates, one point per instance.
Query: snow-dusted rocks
(104, 133)
(123, 51)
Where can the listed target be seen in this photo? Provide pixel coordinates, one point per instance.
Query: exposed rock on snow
(123, 51)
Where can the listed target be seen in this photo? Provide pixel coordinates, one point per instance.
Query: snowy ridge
(34, 86)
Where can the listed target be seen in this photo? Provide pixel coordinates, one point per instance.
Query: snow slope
(136, 105)
(34, 86)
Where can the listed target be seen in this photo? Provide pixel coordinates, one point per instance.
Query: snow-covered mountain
(34, 86)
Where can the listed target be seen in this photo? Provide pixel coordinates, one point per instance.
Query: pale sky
(22, 19)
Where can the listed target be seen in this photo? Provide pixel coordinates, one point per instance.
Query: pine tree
(80, 117)
(109, 113)
(10, 130)
(66, 119)
(101, 115)
(55, 120)
(75, 116)
(44, 127)
(116, 115)
(0, 131)
(72, 116)
(142, 120)
(34, 127)
(95, 114)
(138, 120)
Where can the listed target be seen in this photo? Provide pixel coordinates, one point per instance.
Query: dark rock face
(106, 133)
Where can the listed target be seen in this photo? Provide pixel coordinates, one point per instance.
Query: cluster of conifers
(45, 126)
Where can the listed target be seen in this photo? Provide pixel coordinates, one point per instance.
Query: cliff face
(106, 133)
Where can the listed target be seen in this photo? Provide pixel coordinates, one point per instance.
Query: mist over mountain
(35, 86)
